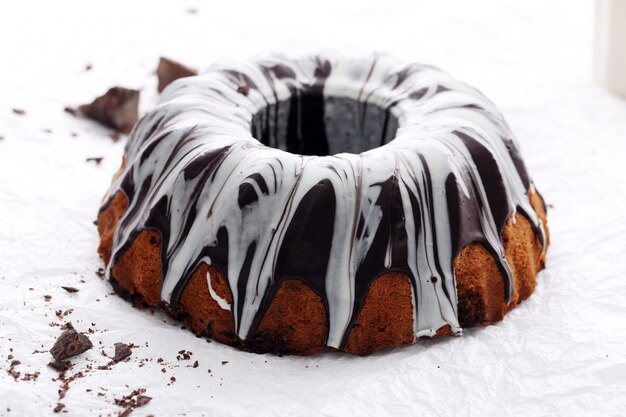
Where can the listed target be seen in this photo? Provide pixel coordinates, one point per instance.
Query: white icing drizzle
(224, 305)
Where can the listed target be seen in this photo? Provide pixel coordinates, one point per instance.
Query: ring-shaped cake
(296, 205)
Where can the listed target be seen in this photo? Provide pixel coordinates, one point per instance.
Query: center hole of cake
(314, 124)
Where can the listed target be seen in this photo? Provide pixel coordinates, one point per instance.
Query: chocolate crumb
(71, 110)
(122, 351)
(243, 89)
(170, 70)
(12, 372)
(88, 67)
(31, 377)
(19, 112)
(97, 160)
(118, 108)
(69, 344)
(70, 289)
(224, 362)
(59, 407)
(47, 298)
(196, 364)
(100, 272)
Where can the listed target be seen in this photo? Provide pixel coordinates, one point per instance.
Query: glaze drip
(330, 170)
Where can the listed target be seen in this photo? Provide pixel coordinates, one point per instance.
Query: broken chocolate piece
(70, 343)
(170, 70)
(122, 351)
(70, 289)
(118, 109)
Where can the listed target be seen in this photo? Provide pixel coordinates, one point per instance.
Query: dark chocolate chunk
(70, 289)
(122, 351)
(70, 343)
(118, 109)
(170, 70)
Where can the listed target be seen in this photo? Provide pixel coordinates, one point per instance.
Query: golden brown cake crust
(296, 321)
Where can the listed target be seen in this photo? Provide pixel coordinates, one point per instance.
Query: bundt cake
(298, 205)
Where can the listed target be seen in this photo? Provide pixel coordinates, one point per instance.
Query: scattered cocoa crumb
(88, 67)
(132, 401)
(100, 272)
(69, 344)
(243, 89)
(70, 289)
(169, 70)
(122, 351)
(172, 379)
(31, 377)
(67, 326)
(224, 362)
(97, 160)
(20, 112)
(59, 407)
(47, 298)
(196, 364)
(47, 130)
(192, 11)
(71, 110)
(11, 371)
(184, 355)
(118, 108)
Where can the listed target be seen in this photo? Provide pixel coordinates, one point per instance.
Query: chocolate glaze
(330, 170)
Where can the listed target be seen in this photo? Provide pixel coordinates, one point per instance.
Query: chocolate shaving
(59, 407)
(69, 344)
(118, 109)
(70, 289)
(170, 70)
(20, 112)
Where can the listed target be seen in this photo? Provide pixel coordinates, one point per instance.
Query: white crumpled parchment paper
(563, 352)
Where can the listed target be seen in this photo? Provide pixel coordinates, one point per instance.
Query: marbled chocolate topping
(327, 169)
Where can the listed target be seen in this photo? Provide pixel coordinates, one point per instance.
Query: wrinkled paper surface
(562, 352)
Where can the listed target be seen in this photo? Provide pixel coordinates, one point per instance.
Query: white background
(563, 352)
